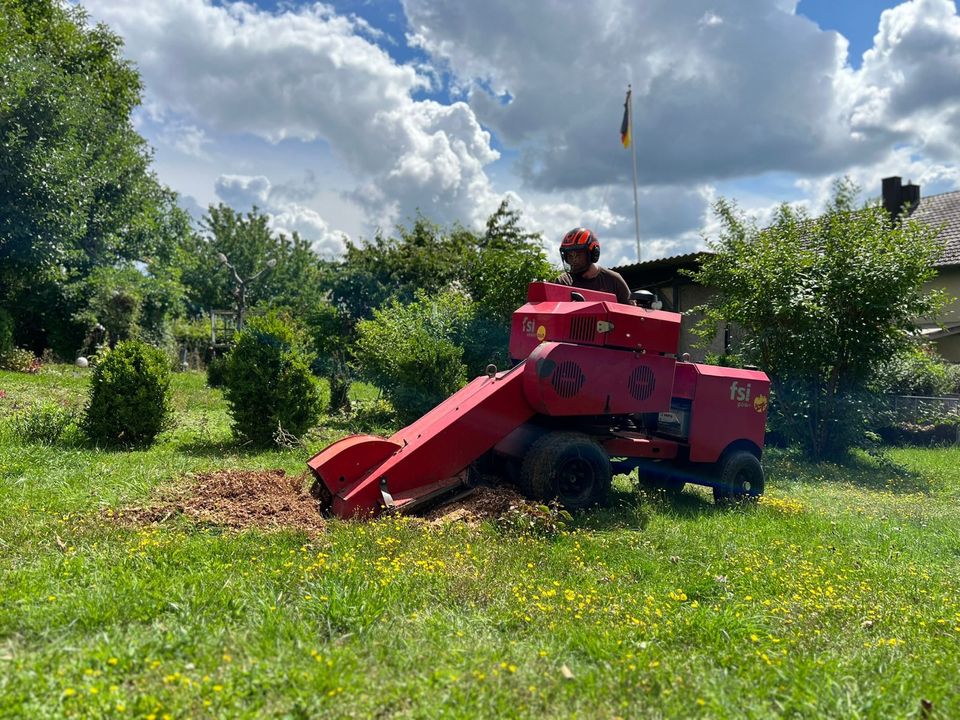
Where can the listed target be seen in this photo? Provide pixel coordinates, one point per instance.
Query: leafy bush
(268, 383)
(953, 379)
(414, 352)
(192, 336)
(376, 416)
(44, 423)
(916, 371)
(129, 395)
(217, 371)
(20, 360)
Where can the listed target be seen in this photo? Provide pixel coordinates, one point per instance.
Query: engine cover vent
(567, 379)
(641, 383)
(583, 328)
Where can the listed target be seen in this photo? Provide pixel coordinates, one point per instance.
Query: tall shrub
(823, 302)
(414, 352)
(129, 395)
(268, 383)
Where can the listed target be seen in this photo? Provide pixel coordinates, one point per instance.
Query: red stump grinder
(597, 389)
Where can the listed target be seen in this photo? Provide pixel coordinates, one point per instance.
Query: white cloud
(712, 99)
(240, 191)
(910, 79)
(286, 215)
(726, 93)
(309, 74)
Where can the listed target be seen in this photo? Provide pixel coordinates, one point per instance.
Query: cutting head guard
(580, 239)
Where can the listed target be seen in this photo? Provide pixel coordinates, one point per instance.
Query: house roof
(672, 261)
(942, 211)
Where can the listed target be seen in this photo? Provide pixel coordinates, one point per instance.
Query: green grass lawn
(839, 596)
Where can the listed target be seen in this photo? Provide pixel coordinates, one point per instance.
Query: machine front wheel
(741, 478)
(567, 466)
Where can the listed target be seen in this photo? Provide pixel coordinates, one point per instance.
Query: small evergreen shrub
(268, 383)
(44, 423)
(216, 371)
(129, 395)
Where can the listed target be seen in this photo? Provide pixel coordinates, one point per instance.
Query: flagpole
(633, 149)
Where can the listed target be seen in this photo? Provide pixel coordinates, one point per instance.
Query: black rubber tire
(569, 467)
(740, 478)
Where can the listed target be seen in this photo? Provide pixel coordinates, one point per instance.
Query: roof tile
(942, 211)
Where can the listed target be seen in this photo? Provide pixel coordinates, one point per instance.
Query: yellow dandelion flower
(69, 692)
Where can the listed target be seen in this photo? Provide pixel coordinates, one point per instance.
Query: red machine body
(589, 370)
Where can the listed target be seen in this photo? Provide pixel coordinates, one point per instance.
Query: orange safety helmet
(580, 239)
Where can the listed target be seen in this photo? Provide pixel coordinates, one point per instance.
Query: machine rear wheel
(569, 467)
(741, 478)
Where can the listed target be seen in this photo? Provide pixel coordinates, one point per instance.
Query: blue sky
(338, 119)
(856, 20)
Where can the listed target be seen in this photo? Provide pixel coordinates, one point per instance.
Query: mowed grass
(836, 597)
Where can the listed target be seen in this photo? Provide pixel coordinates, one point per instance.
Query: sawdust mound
(267, 499)
(271, 499)
(485, 503)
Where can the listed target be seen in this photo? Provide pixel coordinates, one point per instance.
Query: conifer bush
(268, 382)
(129, 395)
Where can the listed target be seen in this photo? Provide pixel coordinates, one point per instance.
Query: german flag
(625, 123)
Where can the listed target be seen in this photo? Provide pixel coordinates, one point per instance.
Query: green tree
(294, 281)
(76, 190)
(423, 257)
(823, 302)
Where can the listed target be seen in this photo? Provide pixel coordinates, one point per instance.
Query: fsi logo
(528, 326)
(740, 394)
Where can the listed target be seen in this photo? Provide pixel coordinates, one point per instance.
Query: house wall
(690, 297)
(948, 279)
(949, 348)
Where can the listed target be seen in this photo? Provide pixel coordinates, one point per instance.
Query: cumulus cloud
(910, 79)
(724, 90)
(309, 74)
(721, 88)
(286, 214)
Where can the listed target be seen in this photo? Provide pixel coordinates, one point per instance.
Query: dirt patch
(485, 503)
(268, 499)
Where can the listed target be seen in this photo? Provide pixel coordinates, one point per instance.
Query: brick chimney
(895, 195)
